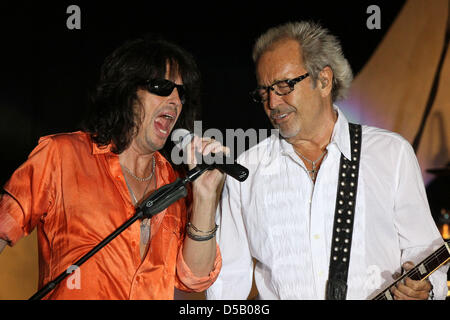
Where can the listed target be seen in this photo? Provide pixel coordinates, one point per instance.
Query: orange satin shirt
(76, 195)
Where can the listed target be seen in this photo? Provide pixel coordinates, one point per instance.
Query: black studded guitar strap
(344, 215)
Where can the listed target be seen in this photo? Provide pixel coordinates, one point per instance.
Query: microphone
(182, 137)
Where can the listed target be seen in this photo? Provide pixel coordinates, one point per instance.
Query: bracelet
(190, 225)
(209, 234)
(200, 238)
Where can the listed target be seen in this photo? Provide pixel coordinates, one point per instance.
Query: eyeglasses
(281, 88)
(164, 87)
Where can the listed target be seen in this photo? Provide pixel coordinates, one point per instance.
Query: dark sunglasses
(164, 87)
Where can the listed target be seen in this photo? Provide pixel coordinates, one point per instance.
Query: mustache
(172, 109)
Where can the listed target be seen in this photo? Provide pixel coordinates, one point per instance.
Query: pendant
(145, 232)
(313, 173)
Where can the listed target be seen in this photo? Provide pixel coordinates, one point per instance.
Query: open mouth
(280, 117)
(164, 122)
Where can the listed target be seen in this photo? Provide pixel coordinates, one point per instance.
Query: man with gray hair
(330, 210)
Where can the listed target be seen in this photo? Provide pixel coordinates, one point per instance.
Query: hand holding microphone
(212, 154)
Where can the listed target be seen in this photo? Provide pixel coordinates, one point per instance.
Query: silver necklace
(145, 225)
(138, 178)
(314, 170)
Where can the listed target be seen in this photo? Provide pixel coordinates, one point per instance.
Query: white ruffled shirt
(283, 222)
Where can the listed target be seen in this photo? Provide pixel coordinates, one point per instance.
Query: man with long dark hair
(77, 188)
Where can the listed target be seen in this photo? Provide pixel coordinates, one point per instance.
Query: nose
(175, 98)
(273, 100)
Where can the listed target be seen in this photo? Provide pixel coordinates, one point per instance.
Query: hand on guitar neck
(414, 283)
(409, 289)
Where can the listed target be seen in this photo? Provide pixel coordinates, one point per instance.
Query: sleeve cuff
(10, 229)
(191, 282)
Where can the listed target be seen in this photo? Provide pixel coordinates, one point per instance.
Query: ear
(325, 81)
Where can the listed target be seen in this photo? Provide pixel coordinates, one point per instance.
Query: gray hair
(320, 49)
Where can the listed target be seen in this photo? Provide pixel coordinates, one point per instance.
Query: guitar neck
(422, 270)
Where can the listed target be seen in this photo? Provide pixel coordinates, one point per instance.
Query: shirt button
(138, 278)
(133, 243)
(316, 237)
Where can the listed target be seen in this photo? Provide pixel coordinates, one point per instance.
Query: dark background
(47, 70)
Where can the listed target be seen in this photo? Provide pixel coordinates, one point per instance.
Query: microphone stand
(155, 203)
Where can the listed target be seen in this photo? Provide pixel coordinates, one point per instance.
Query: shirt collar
(340, 136)
(100, 149)
(159, 158)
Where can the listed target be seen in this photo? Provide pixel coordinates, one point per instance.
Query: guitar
(422, 270)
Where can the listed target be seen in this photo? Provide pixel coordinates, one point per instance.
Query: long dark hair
(113, 117)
